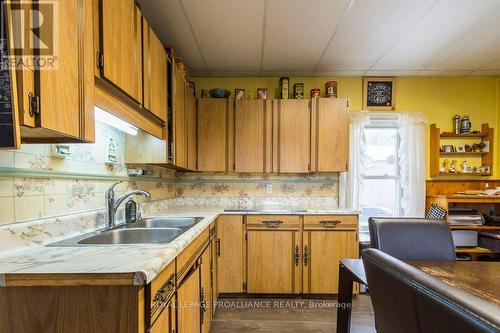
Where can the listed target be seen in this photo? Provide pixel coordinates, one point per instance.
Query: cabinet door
(206, 291)
(330, 146)
(188, 299)
(120, 47)
(191, 123)
(165, 321)
(180, 147)
(322, 252)
(230, 253)
(155, 73)
(215, 276)
(63, 90)
(212, 134)
(251, 125)
(273, 262)
(292, 121)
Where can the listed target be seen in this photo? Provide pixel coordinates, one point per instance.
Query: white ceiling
(331, 37)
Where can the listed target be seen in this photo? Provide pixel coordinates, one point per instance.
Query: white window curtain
(350, 183)
(411, 158)
(412, 162)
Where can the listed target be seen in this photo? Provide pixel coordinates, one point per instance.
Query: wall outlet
(269, 188)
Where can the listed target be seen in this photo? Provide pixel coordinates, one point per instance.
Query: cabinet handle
(161, 298)
(203, 305)
(330, 224)
(217, 247)
(34, 104)
(297, 255)
(306, 256)
(272, 224)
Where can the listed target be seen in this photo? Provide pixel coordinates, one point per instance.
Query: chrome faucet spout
(113, 202)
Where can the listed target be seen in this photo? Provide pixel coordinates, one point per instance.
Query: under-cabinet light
(112, 120)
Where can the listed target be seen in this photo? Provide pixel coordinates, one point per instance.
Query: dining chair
(412, 238)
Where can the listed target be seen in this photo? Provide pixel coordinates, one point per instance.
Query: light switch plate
(269, 188)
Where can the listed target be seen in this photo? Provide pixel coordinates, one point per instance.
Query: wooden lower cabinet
(289, 254)
(195, 288)
(188, 300)
(322, 251)
(215, 272)
(206, 299)
(165, 323)
(230, 250)
(273, 265)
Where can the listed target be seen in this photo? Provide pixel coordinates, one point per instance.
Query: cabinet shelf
(462, 136)
(487, 134)
(464, 174)
(466, 153)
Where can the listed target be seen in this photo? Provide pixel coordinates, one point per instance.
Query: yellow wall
(498, 129)
(439, 98)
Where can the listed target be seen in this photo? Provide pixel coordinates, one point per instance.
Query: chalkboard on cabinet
(8, 135)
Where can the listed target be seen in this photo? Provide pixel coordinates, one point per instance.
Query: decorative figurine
(446, 166)
(464, 167)
(453, 167)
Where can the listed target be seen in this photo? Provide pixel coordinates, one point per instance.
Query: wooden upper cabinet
(154, 73)
(252, 135)
(191, 128)
(330, 135)
(56, 103)
(292, 135)
(179, 116)
(213, 115)
(120, 46)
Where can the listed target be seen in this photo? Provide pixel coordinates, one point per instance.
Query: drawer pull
(272, 224)
(330, 224)
(163, 294)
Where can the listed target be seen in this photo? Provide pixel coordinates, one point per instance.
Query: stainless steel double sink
(157, 230)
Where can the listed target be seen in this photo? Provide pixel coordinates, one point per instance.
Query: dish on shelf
(219, 93)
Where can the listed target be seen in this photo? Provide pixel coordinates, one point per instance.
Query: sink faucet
(113, 202)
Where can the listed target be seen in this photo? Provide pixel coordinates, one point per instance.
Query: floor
(288, 315)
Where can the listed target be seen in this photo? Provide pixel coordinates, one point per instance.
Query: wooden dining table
(480, 279)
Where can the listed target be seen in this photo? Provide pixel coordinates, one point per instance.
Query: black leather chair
(412, 238)
(405, 299)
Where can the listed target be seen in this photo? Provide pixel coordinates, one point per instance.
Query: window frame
(387, 123)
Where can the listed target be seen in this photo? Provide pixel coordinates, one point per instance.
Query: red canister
(315, 92)
(331, 89)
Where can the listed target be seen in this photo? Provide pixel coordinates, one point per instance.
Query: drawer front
(273, 222)
(331, 222)
(191, 253)
(162, 290)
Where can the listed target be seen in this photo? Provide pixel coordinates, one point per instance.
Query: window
(380, 193)
(386, 165)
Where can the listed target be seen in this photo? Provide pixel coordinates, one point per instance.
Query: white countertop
(144, 261)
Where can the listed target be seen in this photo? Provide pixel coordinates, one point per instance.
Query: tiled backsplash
(26, 198)
(23, 198)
